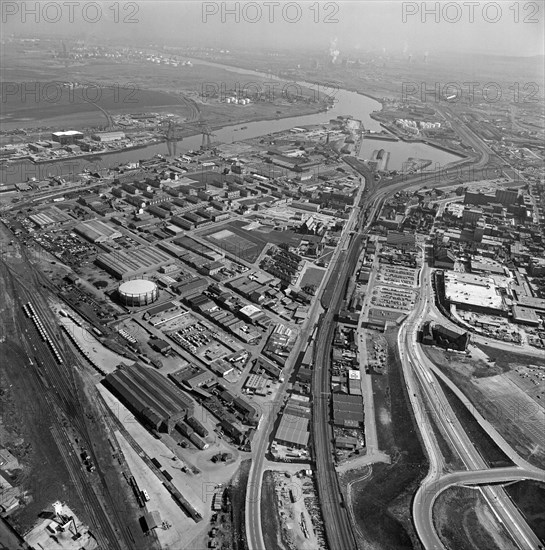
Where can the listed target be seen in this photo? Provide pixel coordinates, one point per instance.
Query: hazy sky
(504, 27)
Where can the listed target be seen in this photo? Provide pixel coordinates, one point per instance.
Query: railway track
(62, 395)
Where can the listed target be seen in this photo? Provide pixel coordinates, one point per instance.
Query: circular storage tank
(138, 292)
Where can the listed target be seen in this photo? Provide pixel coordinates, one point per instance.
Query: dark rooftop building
(444, 259)
(247, 411)
(149, 396)
(191, 377)
(232, 431)
(347, 409)
(454, 338)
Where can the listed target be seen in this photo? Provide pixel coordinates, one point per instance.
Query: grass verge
(464, 521)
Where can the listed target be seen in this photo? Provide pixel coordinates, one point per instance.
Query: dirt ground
(491, 388)
(286, 518)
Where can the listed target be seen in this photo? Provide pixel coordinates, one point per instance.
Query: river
(346, 103)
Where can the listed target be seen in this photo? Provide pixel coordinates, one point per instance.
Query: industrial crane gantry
(173, 134)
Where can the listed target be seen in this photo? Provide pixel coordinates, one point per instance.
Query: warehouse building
(154, 400)
(191, 377)
(108, 137)
(50, 216)
(256, 383)
(248, 412)
(196, 285)
(159, 212)
(171, 249)
(199, 248)
(297, 409)
(126, 264)
(251, 313)
(212, 268)
(161, 308)
(160, 345)
(347, 410)
(232, 431)
(271, 369)
(525, 316)
(66, 138)
(97, 231)
(538, 304)
(41, 220)
(293, 431)
(182, 223)
(221, 367)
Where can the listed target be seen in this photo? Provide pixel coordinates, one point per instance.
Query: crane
(173, 134)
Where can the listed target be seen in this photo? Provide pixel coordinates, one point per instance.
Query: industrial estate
(323, 331)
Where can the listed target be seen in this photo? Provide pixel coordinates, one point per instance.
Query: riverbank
(186, 133)
(372, 115)
(347, 103)
(381, 137)
(249, 120)
(378, 99)
(86, 155)
(425, 141)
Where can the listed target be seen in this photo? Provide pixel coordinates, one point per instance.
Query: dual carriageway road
(261, 441)
(339, 530)
(420, 381)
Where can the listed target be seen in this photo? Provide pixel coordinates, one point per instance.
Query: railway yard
(282, 339)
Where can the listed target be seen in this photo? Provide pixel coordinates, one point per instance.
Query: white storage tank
(138, 292)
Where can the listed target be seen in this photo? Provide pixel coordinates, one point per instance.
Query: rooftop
(293, 429)
(468, 289)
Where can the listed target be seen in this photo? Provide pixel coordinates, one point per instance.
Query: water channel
(346, 103)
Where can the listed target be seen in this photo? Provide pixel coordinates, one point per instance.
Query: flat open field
(82, 105)
(313, 276)
(247, 244)
(500, 399)
(137, 81)
(465, 522)
(236, 245)
(508, 359)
